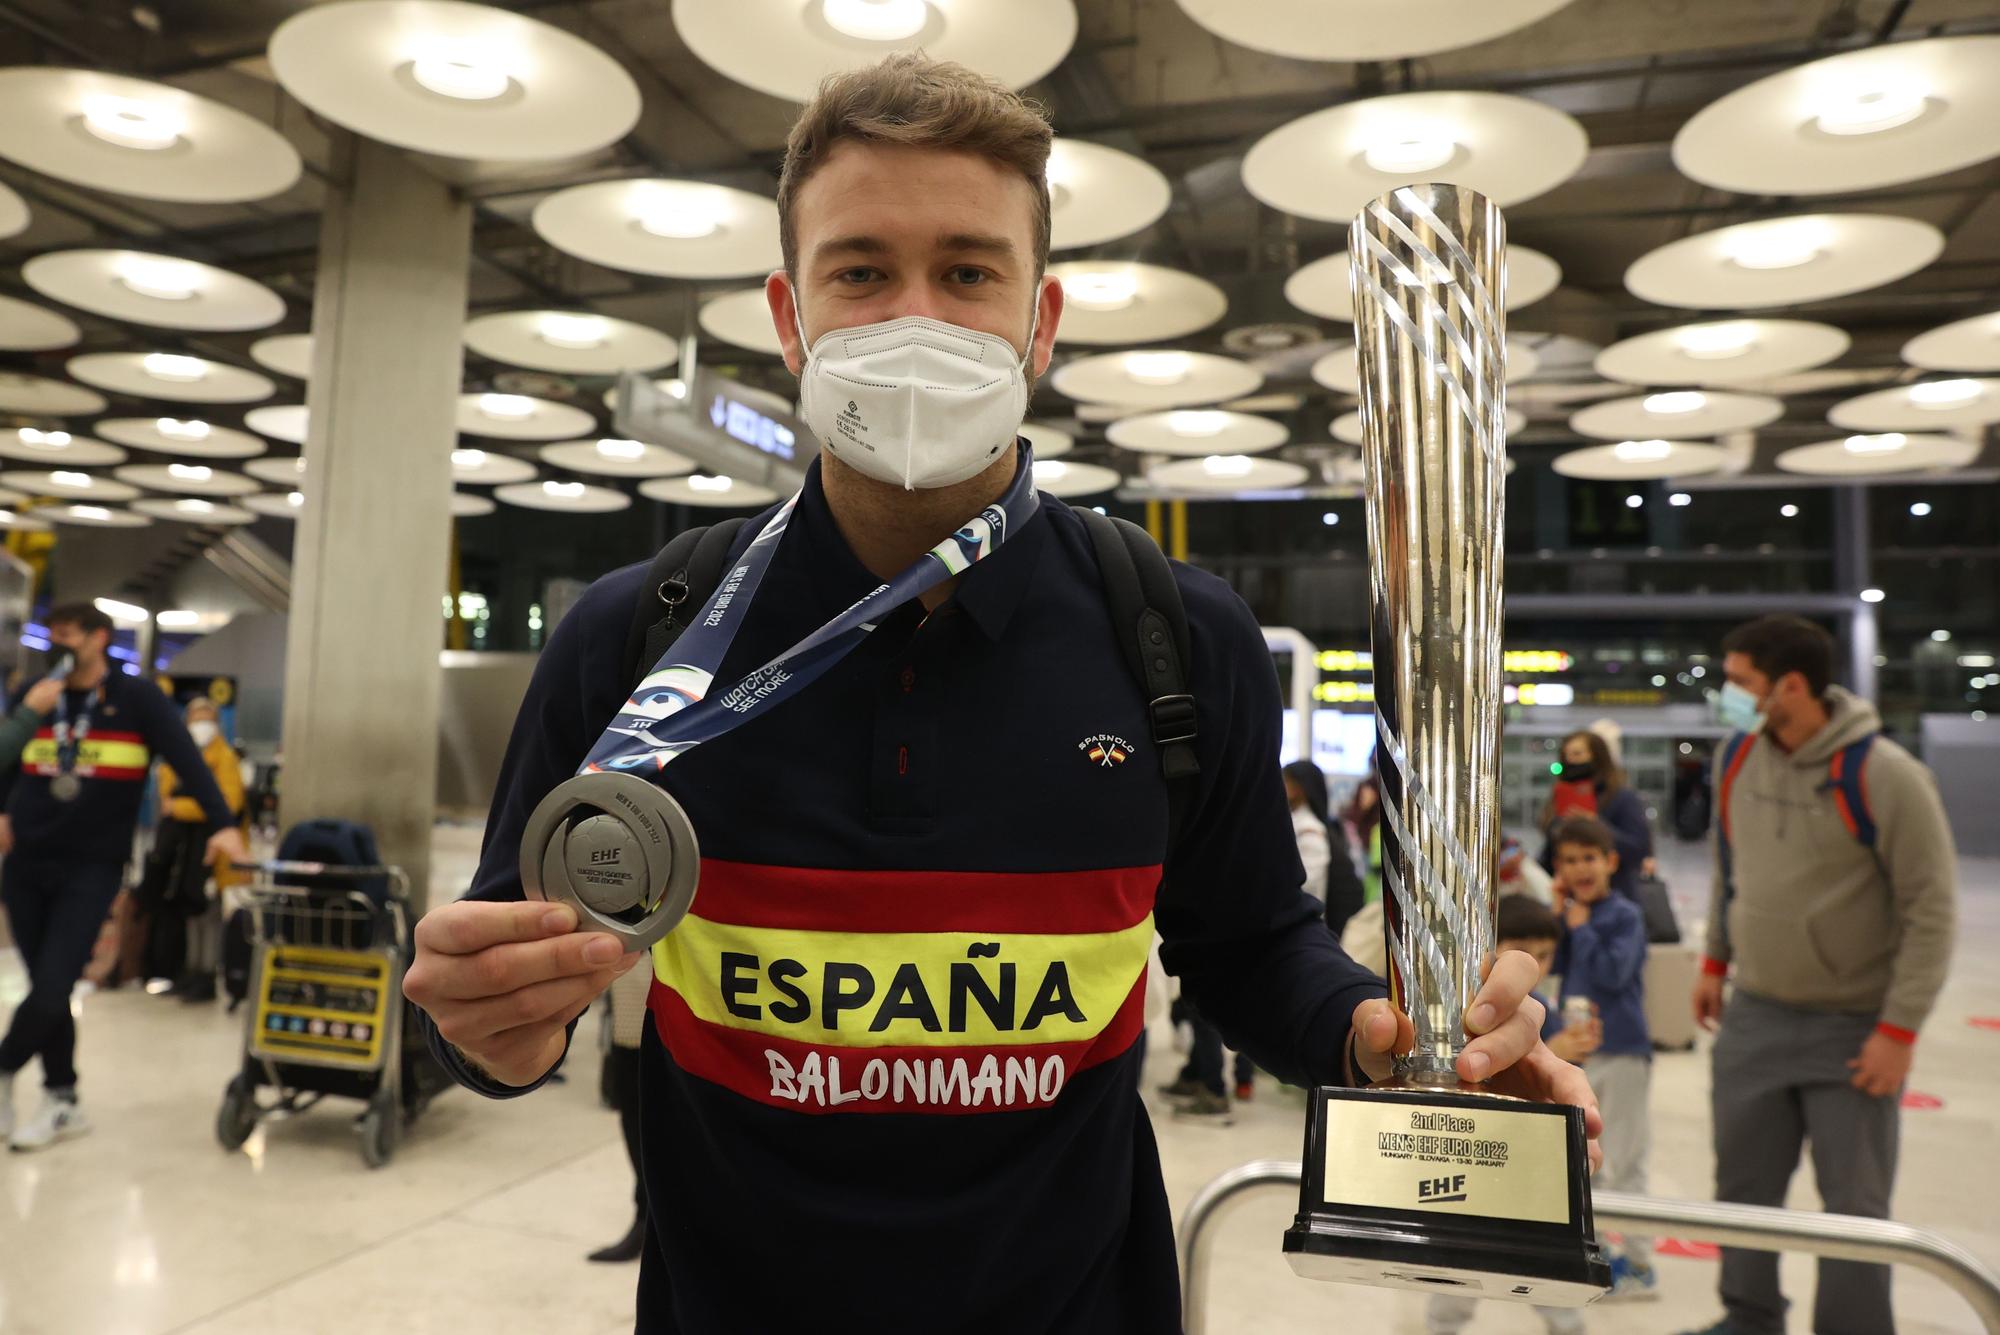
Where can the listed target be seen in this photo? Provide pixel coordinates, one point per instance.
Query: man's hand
(504, 979)
(1882, 1067)
(1507, 1052)
(6, 834)
(1576, 914)
(226, 845)
(42, 696)
(1708, 1001)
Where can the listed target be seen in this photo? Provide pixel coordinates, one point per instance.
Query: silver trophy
(1428, 1182)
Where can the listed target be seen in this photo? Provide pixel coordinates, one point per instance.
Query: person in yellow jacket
(185, 935)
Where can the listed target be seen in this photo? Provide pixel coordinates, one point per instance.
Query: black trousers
(54, 910)
(621, 1079)
(1204, 1063)
(172, 893)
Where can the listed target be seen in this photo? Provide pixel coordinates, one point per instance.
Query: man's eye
(968, 275)
(858, 275)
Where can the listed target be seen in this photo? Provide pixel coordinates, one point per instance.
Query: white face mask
(203, 732)
(914, 402)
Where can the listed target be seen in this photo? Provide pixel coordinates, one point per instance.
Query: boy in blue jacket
(1602, 960)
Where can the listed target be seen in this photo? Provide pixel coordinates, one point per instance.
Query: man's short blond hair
(912, 100)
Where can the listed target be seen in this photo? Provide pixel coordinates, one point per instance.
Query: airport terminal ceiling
(1143, 78)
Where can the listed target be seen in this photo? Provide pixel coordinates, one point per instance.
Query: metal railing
(1759, 1227)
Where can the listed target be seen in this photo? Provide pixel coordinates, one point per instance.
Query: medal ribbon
(676, 709)
(69, 741)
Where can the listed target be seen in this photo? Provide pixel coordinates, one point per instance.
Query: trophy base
(1448, 1193)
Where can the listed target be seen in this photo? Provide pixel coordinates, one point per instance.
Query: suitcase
(1670, 974)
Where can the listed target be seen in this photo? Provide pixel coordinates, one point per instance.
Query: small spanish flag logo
(1105, 750)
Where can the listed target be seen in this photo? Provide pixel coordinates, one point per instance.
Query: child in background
(1602, 959)
(1525, 924)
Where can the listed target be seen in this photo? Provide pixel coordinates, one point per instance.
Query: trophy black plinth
(1473, 1194)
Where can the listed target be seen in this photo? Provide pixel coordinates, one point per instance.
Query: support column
(1851, 574)
(362, 678)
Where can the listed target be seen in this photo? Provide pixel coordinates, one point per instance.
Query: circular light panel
(611, 456)
(1722, 352)
(188, 479)
(38, 396)
(1047, 442)
(1331, 163)
(570, 342)
(1350, 30)
(458, 80)
(68, 483)
(1227, 474)
(1861, 454)
(1322, 287)
(87, 515)
(133, 137)
(56, 448)
(1784, 261)
(193, 437)
(26, 327)
(519, 417)
(194, 510)
(1928, 405)
(1676, 414)
(1640, 460)
(172, 376)
(156, 290)
(1162, 378)
(742, 319)
(1098, 194)
(1061, 478)
(1963, 345)
(287, 354)
(676, 229)
(1119, 303)
(1197, 432)
(567, 497)
(488, 467)
(706, 490)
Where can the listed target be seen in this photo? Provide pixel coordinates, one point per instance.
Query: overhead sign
(725, 426)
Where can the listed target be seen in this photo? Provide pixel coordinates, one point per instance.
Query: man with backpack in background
(72, 806)
(895, 1037)
(1833, 909)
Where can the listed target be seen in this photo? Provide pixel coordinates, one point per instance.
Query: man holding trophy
(893, 1045)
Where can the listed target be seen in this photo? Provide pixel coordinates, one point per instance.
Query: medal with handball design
(616, 846)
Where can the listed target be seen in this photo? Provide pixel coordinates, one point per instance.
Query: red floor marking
(1693, 1251)
(1921, 1102)
(1986, 1022)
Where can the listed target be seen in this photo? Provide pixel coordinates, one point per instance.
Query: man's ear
(783, 301)
(1048, 314)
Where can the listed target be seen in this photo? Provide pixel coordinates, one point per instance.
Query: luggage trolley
(326, 992)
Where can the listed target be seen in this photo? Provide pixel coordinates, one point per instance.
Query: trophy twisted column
(1429, 280)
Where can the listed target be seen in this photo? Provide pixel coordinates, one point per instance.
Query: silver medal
(618, 850)
(65, 787)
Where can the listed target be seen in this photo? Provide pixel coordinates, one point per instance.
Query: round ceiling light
(1963, 345)
(190, 438)
(676, 229)
(188, 479)
(287, 354)
(563, 496)
(1098, 194)
(275, 504)
(1047, 442)
(279, 421)
(1640, 460)
(9, 519)
(708, 491)
(155, 290)
(1879, 116)
(1722, 352)
(487, 467)
(1331, 163)
(1156, 378)
(615, 457)
(1322, 288)
(167, 375)
(569, 342)
(66, 482)
(1929, 405)
(285, 472)
(785, 47)
(195, 510)
(519, 417)
(13, 213)
(134, 137)
(1350, 30)
(56, 448)
(1196, 432)
(1232, 474)
(1676, 414)
(93, 516)
(742, 319)
(1879, 453)
(1347, 427)
(1066, 480)
(465, 505)
(1120, 303)
(458, 80)
(25, 327)
(38, 396)
(1783, 261)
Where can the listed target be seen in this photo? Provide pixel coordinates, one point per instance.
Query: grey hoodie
(1818, 920)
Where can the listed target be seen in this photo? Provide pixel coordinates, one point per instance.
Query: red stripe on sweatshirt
(817, 899)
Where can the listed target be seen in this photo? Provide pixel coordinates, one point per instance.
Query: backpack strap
(1734, 752)
(682, 576)
(1151, 621)
(1850, 793)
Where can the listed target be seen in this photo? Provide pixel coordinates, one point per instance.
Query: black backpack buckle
(1173, 719)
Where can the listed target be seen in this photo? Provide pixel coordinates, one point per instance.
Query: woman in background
(1330, 874)
(183, 937)
(1593, 784)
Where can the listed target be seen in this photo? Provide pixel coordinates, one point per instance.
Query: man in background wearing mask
(71, 808)
(1833, 908)
(892, 1054)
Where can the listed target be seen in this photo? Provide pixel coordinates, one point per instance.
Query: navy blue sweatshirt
(892, 1079)
(1605, 960)
(131, 725)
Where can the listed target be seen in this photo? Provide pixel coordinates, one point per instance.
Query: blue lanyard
(68, 746)
(676, 709)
